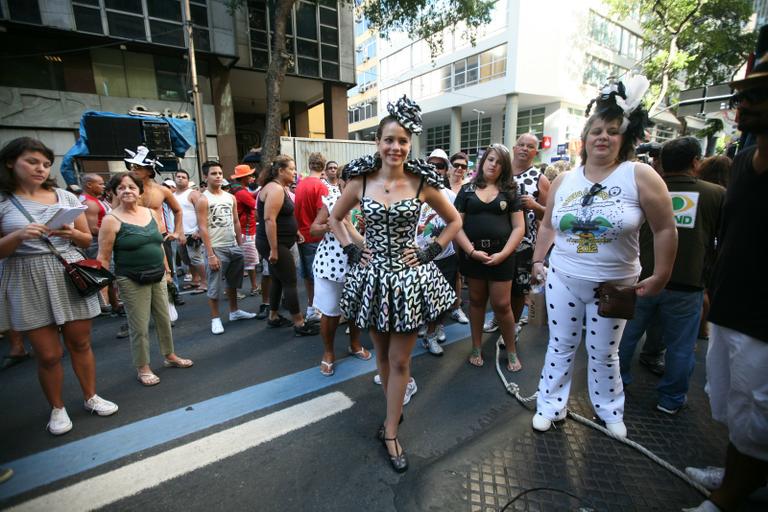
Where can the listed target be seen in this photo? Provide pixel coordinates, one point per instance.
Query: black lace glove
(429, 253)
(354, 253)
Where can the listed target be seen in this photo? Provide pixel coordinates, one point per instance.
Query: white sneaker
(710, 477)
(458, 315)
(98, 405)
(540, 423)
(59, 423)
(422, 331)
(377, 379)
(314, 317)
(430, 343)
(491, 325)
(706, 506)
(410, 390)
(617, 429)
(216, 327)
(240, 315)
(440, 333)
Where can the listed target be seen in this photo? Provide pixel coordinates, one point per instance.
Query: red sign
(546, 142)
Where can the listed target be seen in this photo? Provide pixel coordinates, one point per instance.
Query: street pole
(479, 113)
(197, 101)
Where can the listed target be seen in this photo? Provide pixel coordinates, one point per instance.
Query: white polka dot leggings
(568, 299)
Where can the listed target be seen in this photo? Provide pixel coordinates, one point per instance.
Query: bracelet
(473, 252)
(537, 261)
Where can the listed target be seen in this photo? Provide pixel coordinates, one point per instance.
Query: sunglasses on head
(460, 166)
(589, 197)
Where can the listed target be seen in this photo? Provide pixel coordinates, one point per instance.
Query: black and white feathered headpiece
(407, 113)
(625, 98)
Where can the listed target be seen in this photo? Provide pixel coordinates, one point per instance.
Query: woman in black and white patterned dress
(392, 287)
(330, 271)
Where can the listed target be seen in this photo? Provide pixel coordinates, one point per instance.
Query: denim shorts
(306, 259)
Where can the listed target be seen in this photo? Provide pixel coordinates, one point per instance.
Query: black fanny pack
(194, 242)
(146, 276)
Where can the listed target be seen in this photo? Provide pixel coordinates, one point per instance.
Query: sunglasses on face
(460, 166)
(440, 165)
(753, 96)
(589, 197)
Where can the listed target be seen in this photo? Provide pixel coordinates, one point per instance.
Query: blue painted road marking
(73, 458)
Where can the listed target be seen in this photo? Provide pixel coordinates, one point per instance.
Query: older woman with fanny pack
(140, 265)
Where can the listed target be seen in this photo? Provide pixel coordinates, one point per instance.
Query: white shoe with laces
(216, 326)
(431, 343)
(617, 429)
(540, 423)
(377, 379)
(240, 315)
(706, 506)
(710, 477)
(491, 325)
(98, 405)
(459, 316)
(59, 423)
(410, 390)
(440, 332)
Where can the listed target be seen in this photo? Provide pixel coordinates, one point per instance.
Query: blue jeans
(679, 314)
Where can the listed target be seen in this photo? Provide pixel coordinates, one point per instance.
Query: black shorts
(521, 284)
(448, 266)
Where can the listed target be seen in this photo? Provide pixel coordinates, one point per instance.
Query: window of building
(531, 121)
(391, 94)
(473, 137)
(361, 25)
(362, 111)
(365, 51)
(482, 67)
(171, 76)
(88, 16)
(663, 133)
(438, 137)
(613, 36)
(597, 71)
(24, 10)
(396, 64)
(311, 37)
(432, 83)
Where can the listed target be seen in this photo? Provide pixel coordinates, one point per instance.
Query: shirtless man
(142, 165)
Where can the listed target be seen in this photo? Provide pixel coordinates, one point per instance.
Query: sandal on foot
(177, 363)
(198, 291)
(399, 461)
(361, 354)
(148, 379)
(475, 357)
(513, 363)
(9, 361)
(327, 368)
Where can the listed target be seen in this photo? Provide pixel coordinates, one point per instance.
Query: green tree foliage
(700, 42)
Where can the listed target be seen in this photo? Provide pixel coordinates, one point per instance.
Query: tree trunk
(278, 66)
(665, 71)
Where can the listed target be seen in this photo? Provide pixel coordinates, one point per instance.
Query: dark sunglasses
(460, 166)
(589, 197)
(753, 96)
(440, 165)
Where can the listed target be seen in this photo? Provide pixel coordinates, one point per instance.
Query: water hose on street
(514, 390)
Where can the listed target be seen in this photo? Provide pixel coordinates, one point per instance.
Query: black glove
(354, 253)
(429, 253)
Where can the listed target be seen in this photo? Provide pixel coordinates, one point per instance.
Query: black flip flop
(9, 361)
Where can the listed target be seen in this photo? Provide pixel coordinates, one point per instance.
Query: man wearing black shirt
(737, 359)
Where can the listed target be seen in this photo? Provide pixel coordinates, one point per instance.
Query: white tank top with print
(598, 241)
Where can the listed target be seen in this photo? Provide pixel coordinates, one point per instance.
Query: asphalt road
(254, 426)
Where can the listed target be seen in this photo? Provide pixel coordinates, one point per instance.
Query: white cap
(442, 155)
(170, 183)
(224, 183)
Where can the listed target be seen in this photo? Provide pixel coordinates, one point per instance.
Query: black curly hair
(606, 109)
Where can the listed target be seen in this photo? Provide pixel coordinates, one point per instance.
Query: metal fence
(342, 151)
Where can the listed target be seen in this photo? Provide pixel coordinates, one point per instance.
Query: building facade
(533, 68)
(64, 57)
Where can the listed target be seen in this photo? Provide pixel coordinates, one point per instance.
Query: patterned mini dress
(386, 294)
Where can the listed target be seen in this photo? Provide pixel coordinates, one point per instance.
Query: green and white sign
(684, 207)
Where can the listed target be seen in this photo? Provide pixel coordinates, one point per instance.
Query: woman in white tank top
(593, 218)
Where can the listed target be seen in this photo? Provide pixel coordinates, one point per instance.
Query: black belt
(486, 244)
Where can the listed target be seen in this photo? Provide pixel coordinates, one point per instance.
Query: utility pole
(202, 150)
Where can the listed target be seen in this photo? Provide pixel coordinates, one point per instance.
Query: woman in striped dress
(36, 298)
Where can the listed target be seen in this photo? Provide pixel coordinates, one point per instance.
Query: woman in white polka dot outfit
(593, 219)
(330, 270)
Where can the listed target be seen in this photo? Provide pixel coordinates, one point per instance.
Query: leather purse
(616, 301)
